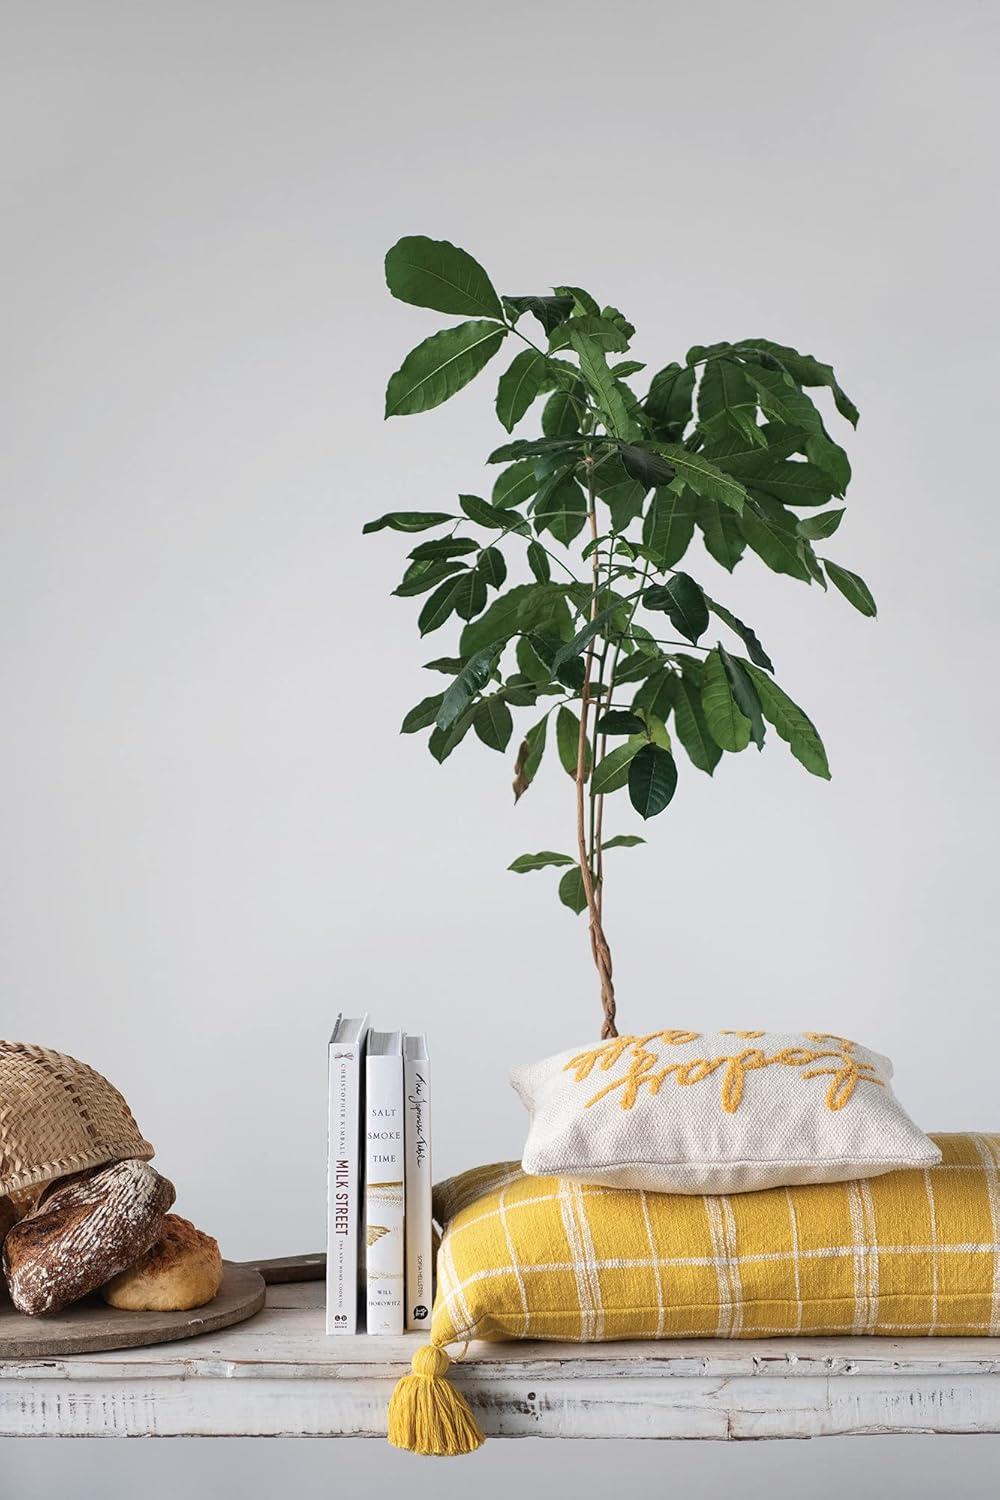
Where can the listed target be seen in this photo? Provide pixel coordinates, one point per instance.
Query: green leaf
(819, 527)
(422, 715)
(746, 635)
(612, 771)
(652, 780)
(669, 525)
(443, 741)
(728, 727)
(626, 367)
(470, 596)
(645, 466)
(720, 530)
(531, 664)
(515, 485)
(795, 483)
(692, 730)
(727, 400)
(669, 403)
(525, 863)
(529, 757)
(538, 562)
(550, 311)
(683, 601)
(583, 302)
(455, 546)
(424, 574)
(623, 496)
(449, 664)
(746, 460)
(439, 607)
(485, 514)
(795, 728)
(656, 696)
(561, 414)
(585, 635)
(601, 331)
(773, 541)
(831, 458)
(474, 675)
(620, 721)
(782, 400)
(595, 370)
(805, 550)
(519, 385)
(492, 567)
(853, 588)
(612, 315)
(568, 741)
(436, 274)
(639, 664)
(521, 608)
(520, 691)
(561, 508)
(493, 723)
(807, 370)
(623, 841)
(408, 520)
(744, 694)
(533, 448)
(442, 365)
(703, 476)
(571, 891)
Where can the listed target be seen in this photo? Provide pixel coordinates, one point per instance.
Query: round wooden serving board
(90, 1325)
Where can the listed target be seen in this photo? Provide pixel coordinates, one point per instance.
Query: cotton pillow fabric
(910, 1253)
(717, 1112)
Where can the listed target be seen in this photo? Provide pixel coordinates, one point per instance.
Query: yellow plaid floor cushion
(912, 1252)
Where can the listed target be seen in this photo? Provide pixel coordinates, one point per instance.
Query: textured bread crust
(8, 1218)
(83, 1230)
(183, 1269)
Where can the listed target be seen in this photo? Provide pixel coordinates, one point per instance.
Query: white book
(419, 1282)
(384, 1182)
(346, 1054)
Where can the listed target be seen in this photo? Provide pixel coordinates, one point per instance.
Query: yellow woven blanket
(913, 1252)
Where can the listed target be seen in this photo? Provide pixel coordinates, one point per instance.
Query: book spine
(384, 1194)
(417, 1134)
(343, 1188)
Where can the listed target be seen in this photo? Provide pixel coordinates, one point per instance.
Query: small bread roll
(181, 1270)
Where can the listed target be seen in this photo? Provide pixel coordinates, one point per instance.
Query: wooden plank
(285, 1268)
(280, 1375)
(91, 1325)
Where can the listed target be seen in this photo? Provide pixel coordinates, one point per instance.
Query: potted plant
(601, 629)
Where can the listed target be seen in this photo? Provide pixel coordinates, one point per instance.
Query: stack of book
(379, 1264)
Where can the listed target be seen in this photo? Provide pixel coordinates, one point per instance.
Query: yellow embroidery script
(645, 1069)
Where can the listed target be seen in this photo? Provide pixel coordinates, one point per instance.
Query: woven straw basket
(58, 1116)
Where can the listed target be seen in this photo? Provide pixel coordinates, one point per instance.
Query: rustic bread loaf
(84, 1230)
(183, 1269)
(8, 1218)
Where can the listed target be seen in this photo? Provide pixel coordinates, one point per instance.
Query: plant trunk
(598, 942)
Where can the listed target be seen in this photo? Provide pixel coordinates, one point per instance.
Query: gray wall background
(213, 837)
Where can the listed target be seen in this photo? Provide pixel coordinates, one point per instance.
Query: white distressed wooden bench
(279, 1375)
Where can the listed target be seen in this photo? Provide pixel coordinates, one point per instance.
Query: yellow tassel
(427, 1414)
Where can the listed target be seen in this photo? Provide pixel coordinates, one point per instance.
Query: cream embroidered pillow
(717, 1112)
